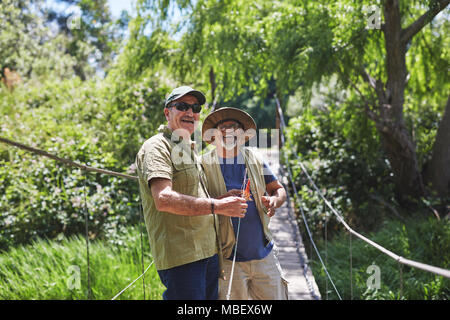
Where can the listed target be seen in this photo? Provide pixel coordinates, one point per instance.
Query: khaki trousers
(254, 280)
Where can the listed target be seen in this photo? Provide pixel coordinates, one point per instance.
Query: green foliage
(396, 281)
(428, 85)
(340, 149)
(39, 41)
(136, 112)
(250, 43)
(26, 44)
(49, 269)
(98, 124)
(254, 49)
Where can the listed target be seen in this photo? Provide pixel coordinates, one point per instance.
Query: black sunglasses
(183, 106)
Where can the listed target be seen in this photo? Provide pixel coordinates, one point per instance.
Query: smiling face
(230, 132)
(186, 120)
(230, 137)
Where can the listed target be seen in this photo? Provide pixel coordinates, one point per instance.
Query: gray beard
(229, 144)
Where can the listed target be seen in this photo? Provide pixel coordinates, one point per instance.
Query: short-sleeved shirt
(252, 244)
(174, 239)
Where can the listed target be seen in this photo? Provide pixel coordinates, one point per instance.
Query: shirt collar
(172, 136)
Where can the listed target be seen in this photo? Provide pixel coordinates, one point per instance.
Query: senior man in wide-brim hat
(228, 167)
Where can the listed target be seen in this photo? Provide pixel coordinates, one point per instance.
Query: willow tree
(392, 56)
(388, 110)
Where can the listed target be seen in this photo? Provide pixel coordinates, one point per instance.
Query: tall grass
(423, 240)
(58, 269)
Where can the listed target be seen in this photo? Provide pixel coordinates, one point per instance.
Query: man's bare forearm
(177, 203)
(168, 200)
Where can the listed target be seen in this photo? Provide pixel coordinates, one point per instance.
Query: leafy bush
(396, 281)
(340, 150)
(97, 123)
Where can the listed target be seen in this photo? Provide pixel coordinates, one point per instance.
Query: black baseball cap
(182, 91)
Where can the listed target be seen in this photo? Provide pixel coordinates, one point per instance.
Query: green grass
(58, 269)
(423, 240)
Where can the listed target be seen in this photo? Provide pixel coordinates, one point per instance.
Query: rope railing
(66, 161)
(399, 259)
(132, 282)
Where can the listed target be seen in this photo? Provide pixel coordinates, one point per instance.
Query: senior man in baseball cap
(246, 242)
(179, 213)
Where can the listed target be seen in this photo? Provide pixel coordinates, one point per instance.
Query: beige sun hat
(227, 114)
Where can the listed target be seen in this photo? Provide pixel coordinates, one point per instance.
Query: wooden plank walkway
(288, 241)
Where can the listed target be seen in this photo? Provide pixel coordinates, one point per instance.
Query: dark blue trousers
(197, 280)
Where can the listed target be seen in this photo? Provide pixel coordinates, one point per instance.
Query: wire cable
(86, 220)
(142, 246)
(123, 290)
(309, 233)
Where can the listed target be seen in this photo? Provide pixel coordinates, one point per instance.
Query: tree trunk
(398, 144)
(212, 82)
(438, 169)
(402, 157)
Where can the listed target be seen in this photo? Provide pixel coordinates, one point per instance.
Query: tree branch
(423, 20)
(376, 84)
(372, 115)
(369, 112)
(369, 79)
(387, 205)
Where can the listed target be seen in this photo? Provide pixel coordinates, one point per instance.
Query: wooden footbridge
(288, 241)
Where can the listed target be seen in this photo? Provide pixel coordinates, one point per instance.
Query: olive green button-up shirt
(174, 239)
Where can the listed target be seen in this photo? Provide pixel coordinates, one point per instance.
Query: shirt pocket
(185, 178)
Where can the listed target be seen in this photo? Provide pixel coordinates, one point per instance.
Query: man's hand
(277, 196)
(231, 193)
(271, 204)
(231, 206)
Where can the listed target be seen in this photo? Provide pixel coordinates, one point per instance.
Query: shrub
(97, 123)
(341, 152)
(397, 281)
